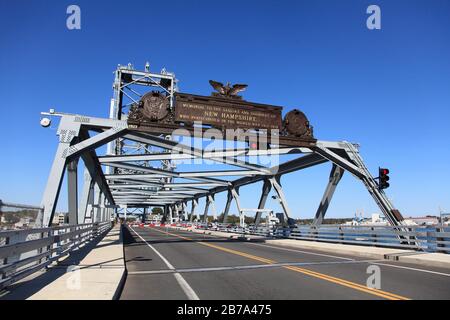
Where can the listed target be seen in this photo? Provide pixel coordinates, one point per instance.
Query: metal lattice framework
(137, 170)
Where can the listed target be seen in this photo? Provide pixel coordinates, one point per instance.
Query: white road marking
(190, 293)
(250, 267)
(413, 269)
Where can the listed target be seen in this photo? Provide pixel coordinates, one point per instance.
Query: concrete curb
(336, 248)
(439, 260)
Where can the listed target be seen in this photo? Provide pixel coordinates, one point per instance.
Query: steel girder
(72, 187)
(335, 176)
(87, 196)
(193, 211)
(267, 186)
(74, 142)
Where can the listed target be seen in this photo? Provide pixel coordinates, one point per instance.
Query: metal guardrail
(19, 206)
(423, 238)
(7, 208)
(27, 251)
(430, 239)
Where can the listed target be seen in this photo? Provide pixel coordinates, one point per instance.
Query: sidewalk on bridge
(98, 276)
(96, 271)
(440, 260)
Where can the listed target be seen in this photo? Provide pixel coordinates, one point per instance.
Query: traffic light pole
(349, 159)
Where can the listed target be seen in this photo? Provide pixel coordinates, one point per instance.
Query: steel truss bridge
(128, 171)
(139, 171)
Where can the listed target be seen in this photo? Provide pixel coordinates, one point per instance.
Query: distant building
(422, 221)
(155, 218)
(23, 223)
(376, 219)
(60, 219)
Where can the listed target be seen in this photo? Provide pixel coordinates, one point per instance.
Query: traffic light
(383, 177)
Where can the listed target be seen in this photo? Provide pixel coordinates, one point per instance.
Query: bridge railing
(424, 238)
(24, 252)
(431, 239)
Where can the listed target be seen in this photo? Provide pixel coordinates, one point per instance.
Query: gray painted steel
(133, 180)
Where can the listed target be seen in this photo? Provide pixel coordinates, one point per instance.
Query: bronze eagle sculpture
(227, 90)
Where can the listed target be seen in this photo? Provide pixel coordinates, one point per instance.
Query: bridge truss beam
(135, 181)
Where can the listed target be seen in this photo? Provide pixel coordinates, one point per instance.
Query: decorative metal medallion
(155, 106)
(296, 124)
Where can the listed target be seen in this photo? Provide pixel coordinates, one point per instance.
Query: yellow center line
(243, 254)
(342, 282)
(349, 284)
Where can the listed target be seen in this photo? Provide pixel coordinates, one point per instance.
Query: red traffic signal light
(383, 178)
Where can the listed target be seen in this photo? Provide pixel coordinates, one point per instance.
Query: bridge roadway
(166, 264)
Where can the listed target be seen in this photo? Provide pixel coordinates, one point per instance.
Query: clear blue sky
(314, 55)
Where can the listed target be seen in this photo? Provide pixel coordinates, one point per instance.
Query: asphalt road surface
(167, 264)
